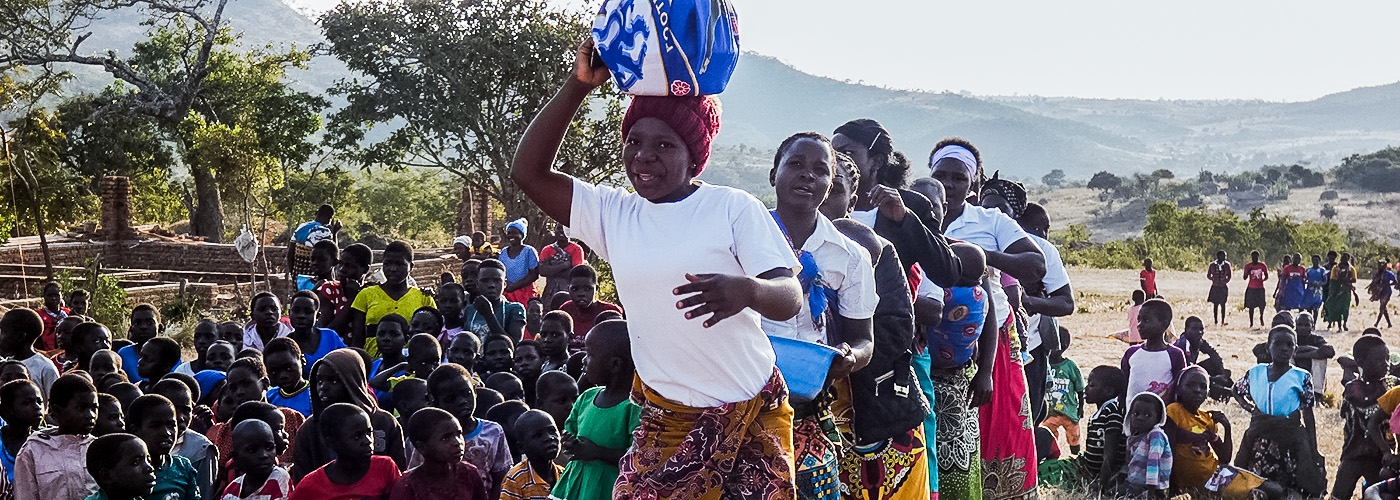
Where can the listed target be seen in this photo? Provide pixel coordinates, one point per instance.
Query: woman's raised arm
(532, 169)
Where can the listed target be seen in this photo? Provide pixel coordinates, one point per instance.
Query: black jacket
(921, 240)
(885, 394)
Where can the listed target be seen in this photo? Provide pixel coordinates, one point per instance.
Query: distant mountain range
(1024, 137)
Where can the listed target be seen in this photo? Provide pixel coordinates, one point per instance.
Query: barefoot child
(1361, 457)
(1149, 468)
(60, 452)
(1066, 394)
(599, 429)
(256, 455)
(1153, 365)
(357, 472)
(532, 478)
(443, 475)
(121, 467)
(450, 389)
(152, 418)
(1279, 395)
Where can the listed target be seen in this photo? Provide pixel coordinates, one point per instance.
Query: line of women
(850, 258)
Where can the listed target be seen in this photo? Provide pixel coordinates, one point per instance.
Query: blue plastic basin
(804, 365)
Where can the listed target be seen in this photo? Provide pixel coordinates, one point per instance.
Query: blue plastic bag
(668, 47)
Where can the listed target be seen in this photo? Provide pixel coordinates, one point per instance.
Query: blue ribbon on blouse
(813, 288)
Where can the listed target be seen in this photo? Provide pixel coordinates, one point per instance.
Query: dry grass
(1101, 297)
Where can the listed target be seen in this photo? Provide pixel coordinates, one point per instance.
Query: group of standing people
(1326, 287)
(854, 256)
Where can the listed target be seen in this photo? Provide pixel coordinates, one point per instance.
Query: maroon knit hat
(695, 119)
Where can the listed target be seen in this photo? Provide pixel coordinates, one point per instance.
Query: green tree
(1055, 178)
(185, 77)
(1105, 181)
(459, 82)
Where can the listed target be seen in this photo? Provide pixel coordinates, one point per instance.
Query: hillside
(1025, 137)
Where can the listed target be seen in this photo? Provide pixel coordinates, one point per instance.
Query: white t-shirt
(1056, 276)
(845, 267)
(41, 372)
(651, 247)
(987, 228)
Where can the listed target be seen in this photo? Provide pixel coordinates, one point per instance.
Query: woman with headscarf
(522, 263)
(698, 265)
(1006, 424)
(882, 202)
(340, 378)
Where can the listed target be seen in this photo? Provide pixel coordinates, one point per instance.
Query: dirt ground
(1102, 300)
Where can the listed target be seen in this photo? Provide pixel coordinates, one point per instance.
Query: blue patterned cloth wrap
(950, 344)
(668, 47)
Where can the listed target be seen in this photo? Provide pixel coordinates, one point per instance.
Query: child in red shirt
(356, 472)
(1148, 279)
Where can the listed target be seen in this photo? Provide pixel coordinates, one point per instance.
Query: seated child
(555, 393)
(1153, 365)
(1361, 457)
(1198, 447)
(340, 378)
(190, 444)
(599, 428)
(1066, 393)
(443, 475)
(1194, 345)
(159, 356)
(497, 356)
(1149, 453)
(206, 332)
(450, 389)
(357, 472)
(50, 464)
(1103, 442)
(19, 328)
(121, 467)
(1276, 445)
(22, 411)
(583, 305)
(256, 455)
(152, 418)
(533, 478)
(283, 359)
(1131, 335)
(410, 395)
(110, 418)
(507, 384)
(953, 340)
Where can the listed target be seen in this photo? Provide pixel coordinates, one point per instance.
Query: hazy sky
(1179, 49)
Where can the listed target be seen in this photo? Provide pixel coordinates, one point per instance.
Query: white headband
(959, 153)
